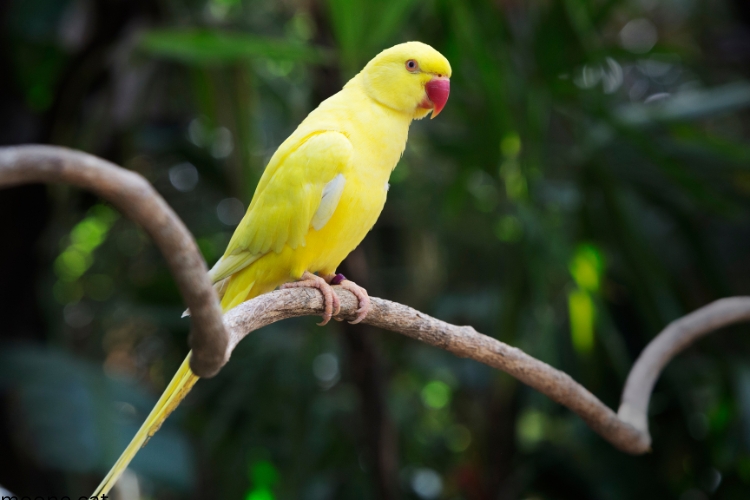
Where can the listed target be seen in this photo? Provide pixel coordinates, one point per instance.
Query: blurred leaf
(348, 18)
(72, 417)
(200, 47)
(586, 267)
(687, 105)
(580, 19)
(554, 134)
(697, 141)
(364, 28)
(389, 22)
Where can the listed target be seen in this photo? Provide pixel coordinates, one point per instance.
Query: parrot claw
(362, 297)
(332, 305)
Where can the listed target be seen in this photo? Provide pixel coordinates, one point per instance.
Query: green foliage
(77, 257)
(263, 477)
(215, 46)
(586, 184)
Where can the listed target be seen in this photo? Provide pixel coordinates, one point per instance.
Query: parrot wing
(299, 191)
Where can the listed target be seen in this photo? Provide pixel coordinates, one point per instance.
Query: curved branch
(462, 341)
(138, 200)
(627, 431)
(671, 341)
(213, 342)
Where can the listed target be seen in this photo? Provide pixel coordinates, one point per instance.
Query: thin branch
(671, 341)
(138, 200)
(462, 341)
(213, 344)
(628, 432)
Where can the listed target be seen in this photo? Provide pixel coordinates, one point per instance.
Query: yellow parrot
(320, 194)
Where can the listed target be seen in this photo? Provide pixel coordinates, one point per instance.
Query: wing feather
(299, 189)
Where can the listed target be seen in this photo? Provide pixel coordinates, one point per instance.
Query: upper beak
(438, 90)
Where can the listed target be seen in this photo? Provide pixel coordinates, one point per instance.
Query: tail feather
(175, 392)
(232, 291)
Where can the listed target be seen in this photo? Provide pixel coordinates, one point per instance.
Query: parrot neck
(377, 132)
(371, 91)
(385, 125)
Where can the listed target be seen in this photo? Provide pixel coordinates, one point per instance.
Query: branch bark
(138, 200)
(463, 341)
(677, 336)
(213, 340)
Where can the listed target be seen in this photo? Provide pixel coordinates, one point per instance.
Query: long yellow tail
(178, 388)
(243, 285)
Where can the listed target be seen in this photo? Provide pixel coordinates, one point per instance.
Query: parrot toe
(362, 297)
(331, 302)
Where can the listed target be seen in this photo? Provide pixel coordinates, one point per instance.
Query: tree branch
(678, 335)
(462, 341)
(627, 432)
(213, 343)
(138, 200)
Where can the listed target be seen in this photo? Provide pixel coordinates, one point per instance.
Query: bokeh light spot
(426, 483)
(71, 264)
(230, 211)
(89, 233)
(436, 394)
(586, 267)
(199, 131)
(326, 368)
(263, 474)
(184, 177)
(510, 145)
(222, 144)
(77, 315)
(638, 36)
(85, 237)
(515, 182)
(259, 494)
(581, 309)
(530, 428)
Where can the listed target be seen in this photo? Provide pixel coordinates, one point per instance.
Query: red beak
(438, 90)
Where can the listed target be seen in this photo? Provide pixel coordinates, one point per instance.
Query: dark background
(586, 184)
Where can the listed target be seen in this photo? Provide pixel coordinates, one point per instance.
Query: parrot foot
(331, 301)
(362, 297)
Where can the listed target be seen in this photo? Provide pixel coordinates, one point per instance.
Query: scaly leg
(358, 291)
(330, 299)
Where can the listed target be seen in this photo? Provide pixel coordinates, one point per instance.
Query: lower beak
(438, 90)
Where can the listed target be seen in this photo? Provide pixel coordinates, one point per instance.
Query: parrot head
(410, 77)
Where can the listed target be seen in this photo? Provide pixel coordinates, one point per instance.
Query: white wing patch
(328, 202)
(387, 186)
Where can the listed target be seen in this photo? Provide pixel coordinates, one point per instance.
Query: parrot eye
(412, 65)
